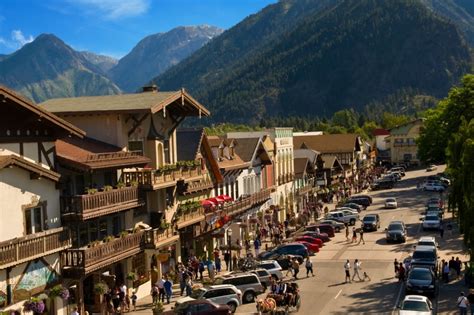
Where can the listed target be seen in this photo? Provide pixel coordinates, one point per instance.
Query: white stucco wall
(380, 142)
(17, 189)
(30, 152)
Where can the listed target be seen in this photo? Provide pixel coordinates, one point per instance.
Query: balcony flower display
(59, 291)
(34, 305)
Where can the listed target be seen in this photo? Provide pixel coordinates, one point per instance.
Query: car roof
(373, 215)
(427, 239)
(221, 286)
(427, 248)
(415, 298)
(236, 275)
(269, 261)
(396, 222)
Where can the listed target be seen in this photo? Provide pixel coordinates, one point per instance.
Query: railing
(154, 238)
(247, 203)
(101, 203)
(85, 260)
(305, 189)
(188, 217)
(33, 246)
(199, 185)
(404, 144)
(152, 178)
(109, 156)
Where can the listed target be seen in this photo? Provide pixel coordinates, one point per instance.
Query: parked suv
(425, 255)
(273, 267)
(263, 275)
(220, 294)
(247, 283)
(286, 249)
(371, 222)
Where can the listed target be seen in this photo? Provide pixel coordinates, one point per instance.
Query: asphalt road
(327, 293)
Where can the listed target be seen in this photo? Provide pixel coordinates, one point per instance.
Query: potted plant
(164, 225)
(123, 234)
(108, 238)
(120, 185)
(158, 308)
(131, 276)
(101, 288)
(34, 305)
(59, 291)
(91, 191)
(108, 188)
(134, 183)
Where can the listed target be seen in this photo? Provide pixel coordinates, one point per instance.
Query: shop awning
(207, 203)
(216, 200)
(225, 198)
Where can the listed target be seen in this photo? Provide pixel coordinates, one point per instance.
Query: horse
(267, 305)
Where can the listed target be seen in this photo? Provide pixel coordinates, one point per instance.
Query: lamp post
(229, 242)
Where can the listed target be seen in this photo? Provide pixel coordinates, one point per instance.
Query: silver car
(220, 294)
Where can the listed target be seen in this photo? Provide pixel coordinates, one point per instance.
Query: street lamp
(229, 242)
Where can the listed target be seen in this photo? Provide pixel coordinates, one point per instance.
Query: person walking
(161, 289)
(462, 304)
(401, 273)
(441, 230)
(296, 268)
(354, 235)
(134, 299)
(347, 269)
(256, 245)
(154, 294)
(446, 272)
(396, 266)
(470, 299)
(289, 270)
(356, 270)
(458, 267)
(347, 231)
(168, 286)
(218, 264)
(361, 236)
(227, 260)
(309, 267)
(201, 269)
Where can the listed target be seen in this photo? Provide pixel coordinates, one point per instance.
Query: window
(117, 225)
(34, 220)
(135, 146)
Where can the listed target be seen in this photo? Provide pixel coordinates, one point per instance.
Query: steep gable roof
(14, 160)
(331, 143)
(246, 147)
(188, 143)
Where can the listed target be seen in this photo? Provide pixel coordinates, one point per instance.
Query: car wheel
(249, 297)
(232, 306)
(352, 222)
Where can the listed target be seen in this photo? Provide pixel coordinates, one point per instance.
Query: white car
(391, 203)
(431, 168)
(431, 221)
(416, 305)
(431, 186)
(273, 267)
(226, 294)
(427, 241)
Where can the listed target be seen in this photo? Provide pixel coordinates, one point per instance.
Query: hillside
(156, 53)
(47, 68)
(104, 63)
(347, 56)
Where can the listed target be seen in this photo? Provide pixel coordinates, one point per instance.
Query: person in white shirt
(347, 268)
(356, 270)
(462, 304)
(74, 311)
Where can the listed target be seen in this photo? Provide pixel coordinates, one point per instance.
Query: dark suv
(426, 256)
(360, 200)
(296, 249)
(421, 281)
(371, 222)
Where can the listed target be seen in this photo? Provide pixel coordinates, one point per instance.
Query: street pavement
(327, 293)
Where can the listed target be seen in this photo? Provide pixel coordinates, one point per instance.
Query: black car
(383, 184)
(371, 222)
(421, 281)
(426, 256)
(354, 206)
(363, 201)
(396, 232)
(296, 249)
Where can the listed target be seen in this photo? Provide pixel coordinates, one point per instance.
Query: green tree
(346, 118)
(390, 120)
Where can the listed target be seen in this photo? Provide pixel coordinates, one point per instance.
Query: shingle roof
(14, 160)
(147, 101)
(330, 161)
(188, 143)
(246, 147)
(90, 154)
(380, 132)
(300, 166)
(331, 143)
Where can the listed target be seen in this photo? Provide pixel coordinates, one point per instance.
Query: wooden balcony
(156, 238)
(79, 262)
(33, 246)
(153, 179)
(84, 207)
(242, 205)
(186, 188)
(191, 218)
(305, 189)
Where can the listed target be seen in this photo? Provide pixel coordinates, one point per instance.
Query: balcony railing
(85, 207)
(79, 262)
(33, 246)
(305, 189)
(157, 238)
(154, 179)
(247, 203)
(192, 217)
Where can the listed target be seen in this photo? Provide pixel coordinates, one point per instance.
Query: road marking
(397, 302)
(338, 293)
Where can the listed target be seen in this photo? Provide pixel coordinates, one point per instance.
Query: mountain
(104, 63)
(48, 68)
(156, 53)
(346, 54)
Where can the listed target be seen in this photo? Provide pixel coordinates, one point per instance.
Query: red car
(311, 247)
(322, 236)
(309, 239)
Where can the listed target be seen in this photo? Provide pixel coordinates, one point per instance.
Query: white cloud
(115, 9)
(16, 41)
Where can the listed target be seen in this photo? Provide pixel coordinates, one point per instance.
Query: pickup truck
(343, 216)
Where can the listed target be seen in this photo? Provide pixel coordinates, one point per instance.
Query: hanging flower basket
(34, 305)
(59, 291)
(100, 288)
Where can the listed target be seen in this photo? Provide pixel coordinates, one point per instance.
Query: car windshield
(395, 226)
(420, 274)
(424, 255)
(427, 243)
(418, 306)
(390, 200)
(369, 219)
(197, 293)
(432, 218)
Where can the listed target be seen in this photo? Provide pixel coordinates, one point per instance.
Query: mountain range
(49, 68)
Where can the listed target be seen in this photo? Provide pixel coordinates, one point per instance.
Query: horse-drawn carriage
(281, 303)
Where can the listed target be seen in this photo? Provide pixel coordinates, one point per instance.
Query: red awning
(216, 200)
(225, 198)
(207, 203)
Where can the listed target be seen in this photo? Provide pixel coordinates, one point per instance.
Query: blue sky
(112, 27)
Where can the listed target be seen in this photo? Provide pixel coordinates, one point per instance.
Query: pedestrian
(289, 270)
(239, 247)
(161, 289)
(452, 266)
(256, 245)
(361, 235)
(189, 286)
(234, 262)
(218, 264)
(309, 267)
(462, 304)
(168, 286)
(154, 294)
(347, 269)
(134, 300)
(396, 266)
(446, 272)
(75, 311)
(201, 269)
(354, 235)
(347, 231)
(366, 276)
(356, 270)
(470, 299)
(296, 268)
(457, 267)
(227, 260)
(182, 279)
(211, 270)
(441, 230)
(401, 273)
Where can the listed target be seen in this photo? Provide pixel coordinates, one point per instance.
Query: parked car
(391, 203)
(371, 222)
(342, 216)
(247, 283)
(309, 239)
(398, 169)
(383, 184)
(397, 175)
(439, 178)
(337, 225)
(322, 236)
(364, 202)
(273, 267)
(354, 206)
(424, 255)
(427, 241)
(431, 221)
(396, 232)
(312, 248)
(415, 305)
(264, 276)
(421, 280)
(200, 307)
(432, 186)
(431, 168)
(324, 228)
(220, 294)
(286, 249)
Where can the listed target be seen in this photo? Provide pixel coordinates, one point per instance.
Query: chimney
(150, 88)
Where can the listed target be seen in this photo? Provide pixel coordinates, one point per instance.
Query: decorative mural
(36, 277)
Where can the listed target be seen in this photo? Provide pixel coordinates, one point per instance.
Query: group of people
(357, 269)
(117, 300)
(354, 235)
(451, 268)
(161, 290)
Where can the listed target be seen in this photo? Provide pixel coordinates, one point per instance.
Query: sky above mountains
(112, 27)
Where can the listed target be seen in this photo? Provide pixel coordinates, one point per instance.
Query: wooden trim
(43, 151)
(22, 150)
(34, 168)
(137, 123)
